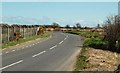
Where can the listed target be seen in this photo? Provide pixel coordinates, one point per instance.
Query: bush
(95, 43)
(112, 33)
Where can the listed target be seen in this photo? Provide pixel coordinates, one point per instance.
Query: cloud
(20, 20)
(100, 22)
(85, 23)
(47, 21)
(26, 20)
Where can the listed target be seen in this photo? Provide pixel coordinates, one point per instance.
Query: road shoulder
(26, 43)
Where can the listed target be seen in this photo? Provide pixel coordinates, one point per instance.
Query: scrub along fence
(15, 32)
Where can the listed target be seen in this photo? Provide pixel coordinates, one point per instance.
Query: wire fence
(13, 32)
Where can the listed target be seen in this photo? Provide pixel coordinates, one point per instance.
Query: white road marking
(13, 50)
(30, 45)
(67, 36)
(53, 47)
(26, 46)
(11, 65)
(7, 52)
(0, 53)
(23, 47)
(39, 54)
(61, 42)
(33, 44)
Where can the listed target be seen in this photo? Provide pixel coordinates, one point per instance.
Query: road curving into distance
(49, 55)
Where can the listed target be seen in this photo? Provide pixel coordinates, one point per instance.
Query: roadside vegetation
(81, 62)
(92, 39)
(101, 47)
(25, 39)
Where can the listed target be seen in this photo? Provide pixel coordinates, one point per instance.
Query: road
(49, 55)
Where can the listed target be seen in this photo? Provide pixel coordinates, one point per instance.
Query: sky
(59, 0)
(65, 13)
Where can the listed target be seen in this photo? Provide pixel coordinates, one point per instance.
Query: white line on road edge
(11, 65)
(53, 47)
(61, 42)
(0, 53)
(39, 53)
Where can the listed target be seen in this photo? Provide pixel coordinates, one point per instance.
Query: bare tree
(55, 25)
(67, 26)
(78, 25)
(112, 32)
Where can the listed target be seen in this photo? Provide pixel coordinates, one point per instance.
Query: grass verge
(22, 40)
(86, 34)
(81, 62)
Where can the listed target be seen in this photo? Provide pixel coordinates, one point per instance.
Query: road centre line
(30, 45)
(11, 65)
(39, 54)
(7, 52)
(61, 42)
(13, 50)
(26, 46)
(53, 47)
(65, 38)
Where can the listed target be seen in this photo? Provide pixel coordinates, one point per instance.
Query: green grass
(95, 43)
(81, 60)
(86, 34)
(93, 39)
(22, 40)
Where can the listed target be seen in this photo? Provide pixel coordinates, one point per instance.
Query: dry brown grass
(99, 60)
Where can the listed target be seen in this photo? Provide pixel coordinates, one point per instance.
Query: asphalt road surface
(49, 55)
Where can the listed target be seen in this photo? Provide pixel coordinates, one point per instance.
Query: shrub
(95, 43)
(112, 32)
